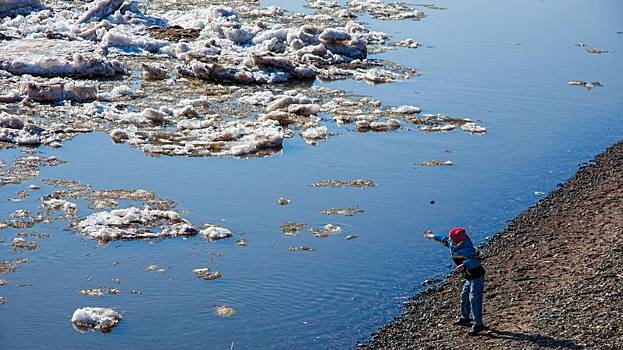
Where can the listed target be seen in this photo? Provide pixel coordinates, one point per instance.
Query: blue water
(500, 62)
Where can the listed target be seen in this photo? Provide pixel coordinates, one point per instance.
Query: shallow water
(494, 61)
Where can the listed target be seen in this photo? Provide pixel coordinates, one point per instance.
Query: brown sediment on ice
(291, 228)
(553, 276)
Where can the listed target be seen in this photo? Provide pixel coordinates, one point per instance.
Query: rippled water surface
(503, 63)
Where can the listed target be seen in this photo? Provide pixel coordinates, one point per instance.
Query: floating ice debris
(214, 233)
(60, 204)
(100, 10)
(120, 92)
(358, 183)
(20, 244)
(11, 265)
(437, 122)
(445, 127)
(587, 85)
(153, 72)
(325, 231)
(242, 242)
(2, 300)
(133, 223)
(538, 193)
(224, 311)
(20, 213)
(406, 110)
(56, 58)
(301, 249)
(113, 291)
(343, 211)
(152, 268)
(473, 128)
(119, 135)
(580, 44)
(2, 282)
(14, 130)
(377, 76)
(351, 237)
(595, 50)
(245, 45)
(291, 228)
(11, 97)
(206, 274)
(174, 33)
(95, 318)
(136, 292)
(408, 43)
(435, 163)
(315, 132)
(389, 125)
(283, 201)
(19, 7)
(91, 292)
(432, 6)
(375, 8)
(25, 168)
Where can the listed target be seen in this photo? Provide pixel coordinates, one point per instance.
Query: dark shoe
(462, 322)
(477, 328)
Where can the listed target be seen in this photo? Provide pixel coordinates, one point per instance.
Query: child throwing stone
(467, 262)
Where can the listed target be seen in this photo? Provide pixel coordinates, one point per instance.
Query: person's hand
(460, 268)
(429, 234)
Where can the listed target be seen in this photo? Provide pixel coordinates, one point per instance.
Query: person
(467, 262)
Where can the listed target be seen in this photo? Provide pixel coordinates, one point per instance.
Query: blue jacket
(463, 253)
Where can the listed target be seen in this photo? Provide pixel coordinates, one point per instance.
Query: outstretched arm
(439, 238)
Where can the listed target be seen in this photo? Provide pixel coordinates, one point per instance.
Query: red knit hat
(457, 235)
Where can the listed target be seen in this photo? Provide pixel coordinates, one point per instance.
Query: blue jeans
(471, 299)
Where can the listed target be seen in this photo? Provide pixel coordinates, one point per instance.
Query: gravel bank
(554, 276)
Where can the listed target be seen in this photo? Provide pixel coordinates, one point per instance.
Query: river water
(502, 63)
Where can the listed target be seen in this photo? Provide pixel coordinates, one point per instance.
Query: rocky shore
(554, 276)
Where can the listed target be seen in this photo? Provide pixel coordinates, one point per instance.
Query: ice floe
(247, 56)
(56, 58)
(95, 318)
(214, 233)
(133, 223)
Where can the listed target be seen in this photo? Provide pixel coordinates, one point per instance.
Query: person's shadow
(543, 341)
